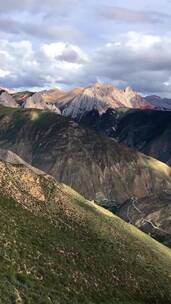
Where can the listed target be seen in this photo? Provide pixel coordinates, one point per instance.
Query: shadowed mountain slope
(147, 131)
(82, 158)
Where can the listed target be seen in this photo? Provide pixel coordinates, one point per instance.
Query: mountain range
(74, 168)
(92, 164)
(78, 101)
(142, 123)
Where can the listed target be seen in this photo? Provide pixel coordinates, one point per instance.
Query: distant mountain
(98, 97)
(57, 247)
(26, 99)
(21, 97)
(160, 103)
(96, 166)
(7, 100)
(43, 99)
(80, 101)
(40, 101)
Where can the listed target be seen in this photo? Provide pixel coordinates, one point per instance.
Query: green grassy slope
(79, 253)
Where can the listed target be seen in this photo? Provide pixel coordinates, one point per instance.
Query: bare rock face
(99, 97)
(36, 101)
(21, 97)
(79, 101)
(7, 100)
(50, 96)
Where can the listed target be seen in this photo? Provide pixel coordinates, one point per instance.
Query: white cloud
(4, 73)
(23, 66)
(127, 15)
(138, 41)
(64, 52)
(136, 59)
(16, 5)
(140, 60)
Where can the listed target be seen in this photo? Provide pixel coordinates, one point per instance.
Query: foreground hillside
(97, 167)
(56, 247)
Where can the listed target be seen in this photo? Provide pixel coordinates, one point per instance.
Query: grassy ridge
(93, 257)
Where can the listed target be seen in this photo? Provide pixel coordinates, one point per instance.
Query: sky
(74, 43)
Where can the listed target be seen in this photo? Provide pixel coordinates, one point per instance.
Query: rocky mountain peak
(7, 100)
(128, 88)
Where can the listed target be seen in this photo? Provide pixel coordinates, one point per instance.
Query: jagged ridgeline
(57, 247)
(97, 167)
(78, 101)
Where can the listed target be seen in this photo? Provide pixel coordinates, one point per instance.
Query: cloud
(23, 66)
(65, 53)
(136, 59)
(35, 29)
(39, 20)
(121, 14)
(36, 6)
(142, 61)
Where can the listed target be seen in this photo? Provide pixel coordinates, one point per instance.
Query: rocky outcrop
(7, 100)
(21, 97)
(36, 101)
